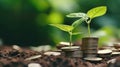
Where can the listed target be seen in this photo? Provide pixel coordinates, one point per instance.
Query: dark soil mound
(10, 57)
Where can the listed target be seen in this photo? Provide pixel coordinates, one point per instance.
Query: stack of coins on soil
(73, 51)
(116, 51)
(105, 53)
(77, 53)
(70, 51)
(89, 46)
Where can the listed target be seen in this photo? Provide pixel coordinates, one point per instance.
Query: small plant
(69, 28)
(91, 14)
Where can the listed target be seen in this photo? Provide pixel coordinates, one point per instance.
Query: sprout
(92, 13)
(87, 17)
(69, 28)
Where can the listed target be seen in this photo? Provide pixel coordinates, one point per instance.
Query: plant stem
(88, 23)
(70, 38)
(89, 29)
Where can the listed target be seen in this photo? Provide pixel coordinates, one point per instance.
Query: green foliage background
(25, 22)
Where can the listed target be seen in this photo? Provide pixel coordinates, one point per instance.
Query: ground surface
(10, 57)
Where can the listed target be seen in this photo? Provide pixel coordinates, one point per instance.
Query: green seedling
(91, 14)
(69, 28)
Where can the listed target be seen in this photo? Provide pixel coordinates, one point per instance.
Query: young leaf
(63, 27)
(76, 33)
(77, 22)
(98, 11)
(76, 15)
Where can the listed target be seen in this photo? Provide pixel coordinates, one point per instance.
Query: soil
(10, 57)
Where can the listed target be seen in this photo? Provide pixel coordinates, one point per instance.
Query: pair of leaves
(66, 28)
(92, 13)
(63, 27)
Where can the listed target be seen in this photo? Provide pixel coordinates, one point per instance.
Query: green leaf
(76, 15)
(77, 22)
(63, 27)
(96, 12)
(76, 33)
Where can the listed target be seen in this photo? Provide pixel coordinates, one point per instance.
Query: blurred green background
(25, 22)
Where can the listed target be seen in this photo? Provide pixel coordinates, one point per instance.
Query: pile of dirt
(24, 57)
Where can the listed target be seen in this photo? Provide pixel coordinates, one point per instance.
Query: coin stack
(89, 46)
(77, 53)
(73, 51)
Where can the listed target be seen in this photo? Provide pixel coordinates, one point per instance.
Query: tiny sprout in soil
(87, 17)
(93, 13)
(69, 28)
